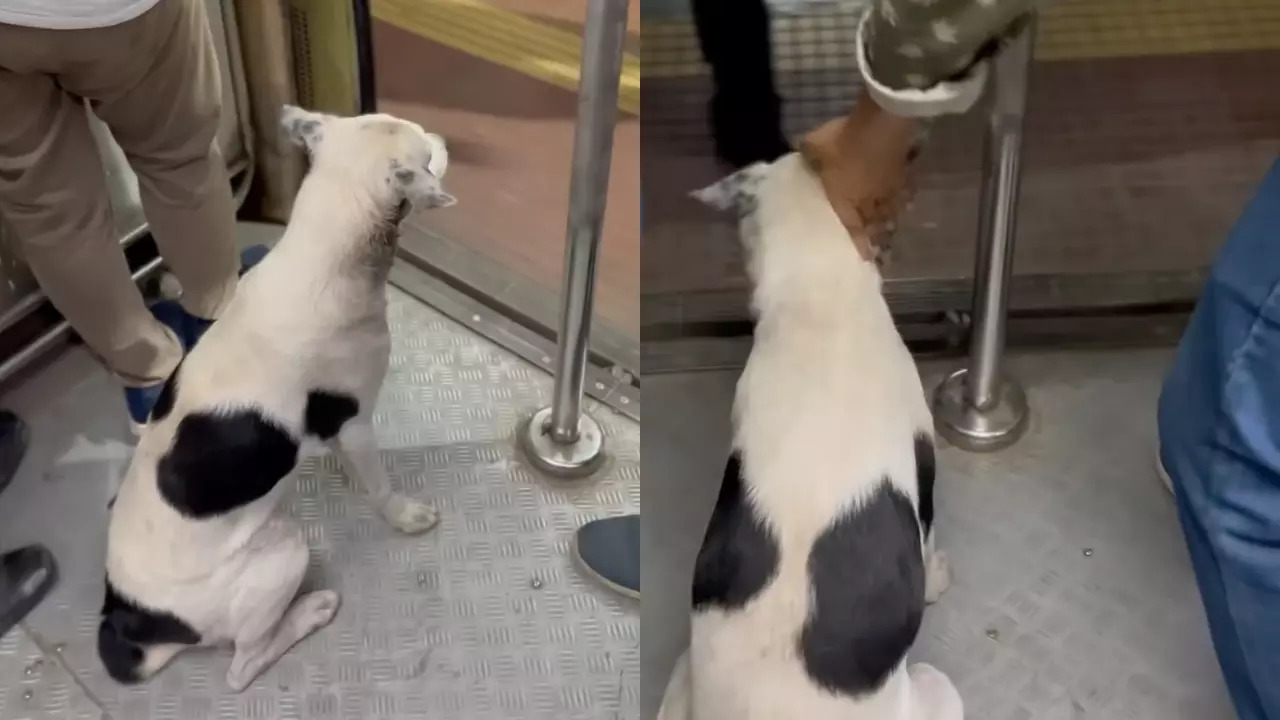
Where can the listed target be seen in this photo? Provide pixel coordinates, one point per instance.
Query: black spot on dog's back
(127, 629)
(926, 473)
(868, 595)
(168, 393)
(327, 412)
(739, 555)
(221, 461)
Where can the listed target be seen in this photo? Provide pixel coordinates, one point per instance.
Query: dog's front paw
(937, 576)
(410, 516)
(238, 680)
(316, 610)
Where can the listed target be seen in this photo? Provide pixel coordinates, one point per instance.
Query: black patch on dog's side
(739, 556)
(327, 412)
(169, 392)
(926, 472)
(127, 630)
(221, 461)
(868, 595)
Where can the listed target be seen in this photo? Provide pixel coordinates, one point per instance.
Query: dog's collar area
(389, 225)
(402, 211)
(386, 233)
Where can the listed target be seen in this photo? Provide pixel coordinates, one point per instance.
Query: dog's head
(396, 155)
(793, 242)
(739, 192)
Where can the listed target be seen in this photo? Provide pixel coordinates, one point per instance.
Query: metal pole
(560, 439)
(979, 408)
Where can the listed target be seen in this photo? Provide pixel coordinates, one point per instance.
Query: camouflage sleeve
(928, 57)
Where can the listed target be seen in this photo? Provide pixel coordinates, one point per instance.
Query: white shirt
(71, 14)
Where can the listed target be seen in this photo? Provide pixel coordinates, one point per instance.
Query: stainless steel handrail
(561, 439)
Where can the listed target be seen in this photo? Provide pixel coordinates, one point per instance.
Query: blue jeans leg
(1219, 424)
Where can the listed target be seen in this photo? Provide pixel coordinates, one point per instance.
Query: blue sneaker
(189, 329)
(251, 256)
(608, 550)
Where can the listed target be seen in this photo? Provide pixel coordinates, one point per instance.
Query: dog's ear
(438, 163)
(420, 187)
(303, 127)
(735, 191)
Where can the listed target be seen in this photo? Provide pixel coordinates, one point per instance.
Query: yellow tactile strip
(1069, 30)
(507, 39)
(1082, 29)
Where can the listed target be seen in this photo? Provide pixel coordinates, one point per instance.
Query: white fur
(312, 315)
(829, 403)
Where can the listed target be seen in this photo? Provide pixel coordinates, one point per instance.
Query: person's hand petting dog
(863, 160)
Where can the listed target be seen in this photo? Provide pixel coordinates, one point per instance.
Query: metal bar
(602, 48)
(997, 219)
(16, 362)
(978, 408)
(33, 300)
(493, 323)
(242, 174)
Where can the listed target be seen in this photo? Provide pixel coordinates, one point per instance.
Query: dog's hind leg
(937, 571)
(356, 446)
(676, 701)
(266, 616)
(934, 696)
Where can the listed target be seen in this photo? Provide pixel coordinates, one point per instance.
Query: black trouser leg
(746, 111)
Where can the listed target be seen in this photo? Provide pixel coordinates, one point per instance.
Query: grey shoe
(608, 550)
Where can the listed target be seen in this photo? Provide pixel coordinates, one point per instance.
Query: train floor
(484, 617)
(1073, 594)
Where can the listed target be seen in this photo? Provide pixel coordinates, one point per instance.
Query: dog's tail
(122, 657)
(134, 643)
(129, 662)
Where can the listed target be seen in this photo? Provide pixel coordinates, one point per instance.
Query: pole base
(564, 461)
(969, 428)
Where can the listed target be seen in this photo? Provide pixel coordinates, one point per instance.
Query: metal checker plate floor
(484, 617)
(1073, 596)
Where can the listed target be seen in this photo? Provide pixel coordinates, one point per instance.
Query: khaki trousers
(155, 82)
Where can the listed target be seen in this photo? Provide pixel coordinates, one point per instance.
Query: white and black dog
(818, 560)
(199, 550)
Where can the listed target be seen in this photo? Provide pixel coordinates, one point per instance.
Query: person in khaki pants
(149, 70)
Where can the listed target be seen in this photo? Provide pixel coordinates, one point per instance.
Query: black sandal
(26, 577)
(14, 438)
